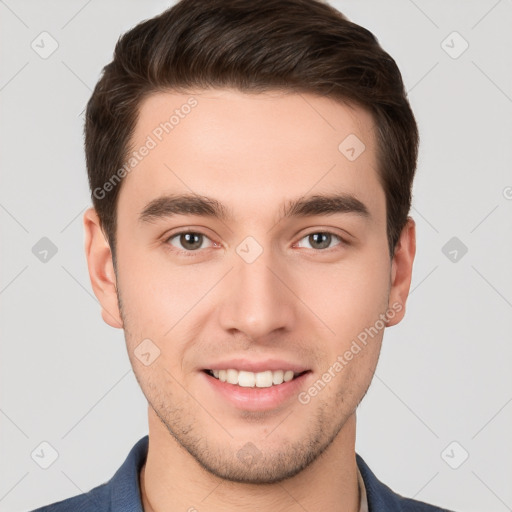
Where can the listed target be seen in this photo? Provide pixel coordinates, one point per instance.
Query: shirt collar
(363, 499)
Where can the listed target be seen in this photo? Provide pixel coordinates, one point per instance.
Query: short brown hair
(252, 46)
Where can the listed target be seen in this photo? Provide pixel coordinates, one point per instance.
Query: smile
(246, 379)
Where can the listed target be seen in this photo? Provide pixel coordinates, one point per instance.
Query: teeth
(232, 376)
(250, 379)
(264, 379)
(277, 377)
(288, 375)
(245, 379)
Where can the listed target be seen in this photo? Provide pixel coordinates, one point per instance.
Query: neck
(171, 479)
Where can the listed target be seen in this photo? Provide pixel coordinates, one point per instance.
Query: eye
(321, 240)
(189, 241)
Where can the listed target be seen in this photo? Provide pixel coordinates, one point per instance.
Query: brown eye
(187, 241)
(321, 240)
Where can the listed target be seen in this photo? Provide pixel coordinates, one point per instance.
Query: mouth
(256, 386)
(247, 379)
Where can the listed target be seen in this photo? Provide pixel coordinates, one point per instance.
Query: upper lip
(254, 366)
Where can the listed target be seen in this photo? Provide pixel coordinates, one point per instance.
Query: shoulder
(120, 494)
(382, 499)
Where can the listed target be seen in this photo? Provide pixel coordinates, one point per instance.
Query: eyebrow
(195, 204)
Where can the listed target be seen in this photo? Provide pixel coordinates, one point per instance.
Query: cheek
(156, 294)
(348, 297)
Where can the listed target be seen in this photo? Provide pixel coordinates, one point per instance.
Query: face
(252, 260)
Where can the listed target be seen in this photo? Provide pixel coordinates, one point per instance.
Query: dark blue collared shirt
(122, 492)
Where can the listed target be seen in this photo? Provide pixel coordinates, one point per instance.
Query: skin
(296, 302)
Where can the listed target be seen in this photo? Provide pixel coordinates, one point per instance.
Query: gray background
(444, 374)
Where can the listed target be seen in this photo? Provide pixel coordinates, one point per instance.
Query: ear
(401, 271)
(101, 269)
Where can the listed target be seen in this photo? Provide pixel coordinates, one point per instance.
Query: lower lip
(257, 399)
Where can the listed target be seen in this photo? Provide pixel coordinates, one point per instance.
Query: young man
(251, 166)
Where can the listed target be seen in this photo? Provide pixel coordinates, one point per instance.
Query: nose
(258, 300)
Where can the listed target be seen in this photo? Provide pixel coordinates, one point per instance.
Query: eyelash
(189, 253)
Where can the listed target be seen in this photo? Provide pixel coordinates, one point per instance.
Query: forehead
(250, 150)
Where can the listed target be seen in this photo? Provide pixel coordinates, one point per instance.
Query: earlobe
(101, 269)
(401, 271)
